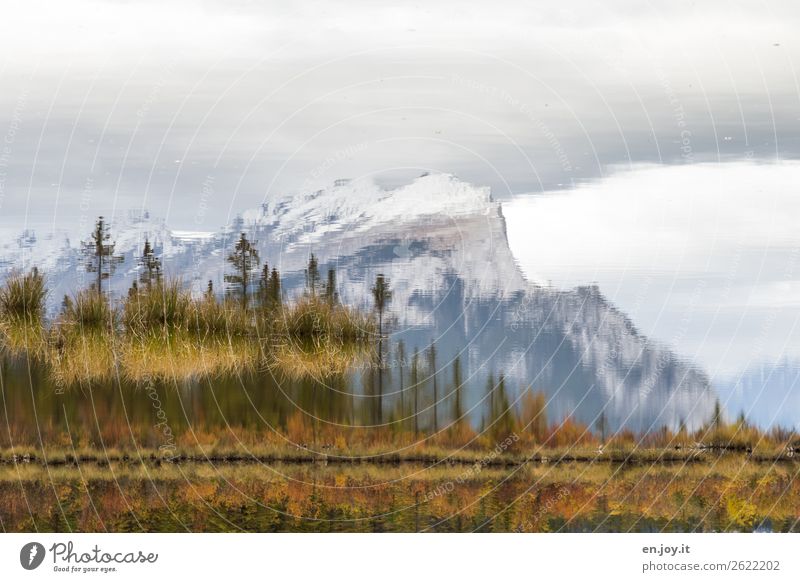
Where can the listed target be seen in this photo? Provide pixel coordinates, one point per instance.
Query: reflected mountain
(442, 243)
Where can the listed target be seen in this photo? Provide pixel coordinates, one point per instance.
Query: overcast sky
(704, 258)
(107, 106)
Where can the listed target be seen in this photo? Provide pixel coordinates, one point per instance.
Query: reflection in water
(703, 257)
(402, 385)
(730, 495)
(467, 337)
(455, 286)
(768, 395)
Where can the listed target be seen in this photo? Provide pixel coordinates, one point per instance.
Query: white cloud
(704, 257)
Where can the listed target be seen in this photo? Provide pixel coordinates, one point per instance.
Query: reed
(221, 318)
(21, 335)
(316, 359)
(82, 354)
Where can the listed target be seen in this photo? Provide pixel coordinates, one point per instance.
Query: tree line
(99, 258)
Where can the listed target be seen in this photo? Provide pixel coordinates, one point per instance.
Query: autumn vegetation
(160, 331)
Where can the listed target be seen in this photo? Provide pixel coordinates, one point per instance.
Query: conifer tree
(244, 260)
(415, 385)
(274, 294)
(505, 419)
(433, 372)
(489, 402)
(382, 296)
(151, 266)
(312, 275)
(331, 295)
(602, 426)
(458, 405)
(401, 363)
(99, 257)
(263, 285)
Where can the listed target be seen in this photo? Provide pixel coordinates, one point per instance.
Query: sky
(199, 110)
(704, 258)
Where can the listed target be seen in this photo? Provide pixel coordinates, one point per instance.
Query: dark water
(403, 385)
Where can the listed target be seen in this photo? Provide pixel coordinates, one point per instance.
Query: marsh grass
(317, 338)
(226, 318)
(314, 321)
(161, 331)
(86, 354)
(317, 360)
(86, 311)
(729, 495)
(163, 304)
(21, 335)
(22, 313)
(23, 296)
(183, 355)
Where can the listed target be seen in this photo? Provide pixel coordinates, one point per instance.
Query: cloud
(705, 257)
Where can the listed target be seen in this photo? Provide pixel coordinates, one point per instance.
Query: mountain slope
(443, 245)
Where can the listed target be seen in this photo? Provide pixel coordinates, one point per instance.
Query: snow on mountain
(333, 223)
(442, 243)
(26, 249)
(357, 206)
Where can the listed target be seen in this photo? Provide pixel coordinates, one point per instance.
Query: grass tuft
(162, 304)
(23, 296)
(87, 310)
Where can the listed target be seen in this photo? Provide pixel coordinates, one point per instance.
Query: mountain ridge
(443, 245)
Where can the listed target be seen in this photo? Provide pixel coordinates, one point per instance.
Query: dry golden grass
(22, 296)
(20, 335)
(319, 360)
(88, 356)
(313, 320)
(180, 355)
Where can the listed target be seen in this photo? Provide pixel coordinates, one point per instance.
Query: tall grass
(22, 300)
(162, 304)
(87, 310)
(315, 321)
(317, 361)
(226, 318)
(23, 296)
(82, 354)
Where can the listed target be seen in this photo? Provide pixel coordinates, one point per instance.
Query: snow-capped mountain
(442, 244)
